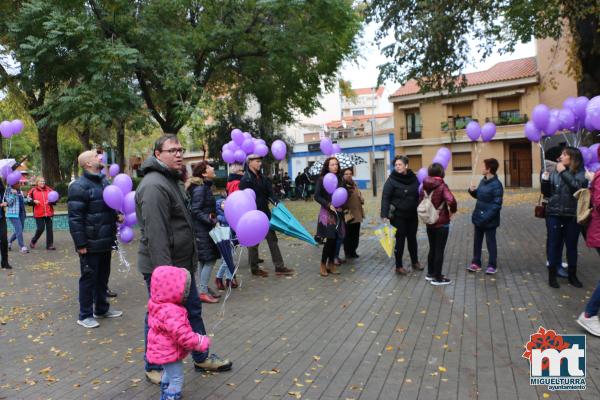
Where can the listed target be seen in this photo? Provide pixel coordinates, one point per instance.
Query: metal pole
(374, 163)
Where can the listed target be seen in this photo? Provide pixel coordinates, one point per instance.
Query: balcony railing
(456, 124)
(415, 133)
(515, 119)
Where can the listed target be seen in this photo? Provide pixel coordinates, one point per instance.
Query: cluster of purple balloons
(11, 128)
(590, 157)
(242, 144)
(250, 225)
(114, 170)
(120, 196)
(486, 132)
(442, 157)
(329, 148)
(339, 195)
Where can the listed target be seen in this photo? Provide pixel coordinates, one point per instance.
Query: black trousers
(406, 231)
(93, 283)
(329, 250)
(41, 223)
(351, 239)
(437, 245)
(3, 242)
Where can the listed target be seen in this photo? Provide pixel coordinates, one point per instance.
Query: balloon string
(124, 265)
(221, 313)
(478, 151)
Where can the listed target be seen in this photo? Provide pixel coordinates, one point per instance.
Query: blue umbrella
(221, 235)
(282, 220)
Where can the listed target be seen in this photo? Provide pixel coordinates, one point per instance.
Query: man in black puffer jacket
(93, 226)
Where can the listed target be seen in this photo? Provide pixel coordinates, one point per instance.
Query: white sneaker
(592, 324)
(109, 314)
(89, 323)
(24, 249)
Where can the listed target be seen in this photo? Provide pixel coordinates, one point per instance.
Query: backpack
(584, 208)
(427, 213)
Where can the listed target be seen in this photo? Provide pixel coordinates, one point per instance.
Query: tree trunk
(84, 138)
(48, 137)
(121, 146)
(75, 168)
(589, 56)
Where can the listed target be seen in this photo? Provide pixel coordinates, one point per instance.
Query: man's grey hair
(158, 145)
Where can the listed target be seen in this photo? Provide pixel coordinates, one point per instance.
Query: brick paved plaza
(366, 334)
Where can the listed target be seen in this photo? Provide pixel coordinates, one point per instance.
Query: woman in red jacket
(42, 212)
(437, 233)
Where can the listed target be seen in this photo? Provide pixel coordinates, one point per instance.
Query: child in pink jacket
(171, 338)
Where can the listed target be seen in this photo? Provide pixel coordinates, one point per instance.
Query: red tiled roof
(352, 118)
(503, 71)
(363, 91)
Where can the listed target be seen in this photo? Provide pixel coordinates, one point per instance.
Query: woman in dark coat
(561, 212)
(354, 214)
(399, 203)
(486, 216)
(204, 213)
(331, 224)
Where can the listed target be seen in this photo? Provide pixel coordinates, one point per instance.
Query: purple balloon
(260, 141)
(239, 156)
(225, 147)
(540, 116)
(326, 146)
(53, 196)
(261, 150)
(594, 151)
(125, 234)
(237, 136)
(586, 154)
(441, 160)
(252, 228)
(554, 112)
(13, 177)
(17, 126)
(232, 146)
(114, 170)
(488, 131)
(6, 129)
(336, 148)
(552, 126)
(237, 204)
(566, 118)
(129, 203)
(113, 197)
(569, 103)
(420, 188)
(422, 174)
(250, 193)
(444, 152)
(532, 133)
(330, 182)
(228, 156)
(594, 167)
(279, 149)
(339, 197)
(123, 182)
(5, 171)
(247, 135)
(579, 109)
(130, 219)
(248, 146)
(588, 124)
(592, 112)
(473, 130)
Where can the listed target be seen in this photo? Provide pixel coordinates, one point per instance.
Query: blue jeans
(17, 224)
(194, 309)
(204, 271)
(93, 284)
(490, 240)
(338, 246)
(224, 272)
(562, 230)
(173, 375)
(593, 306)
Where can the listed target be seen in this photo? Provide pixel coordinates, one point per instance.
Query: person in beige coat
(354, 214)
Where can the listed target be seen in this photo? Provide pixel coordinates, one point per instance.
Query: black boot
(552, 277)
(573, 277)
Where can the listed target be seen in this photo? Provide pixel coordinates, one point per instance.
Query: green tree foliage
(431, 38)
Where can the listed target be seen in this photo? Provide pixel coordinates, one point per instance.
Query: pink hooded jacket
(170, 337)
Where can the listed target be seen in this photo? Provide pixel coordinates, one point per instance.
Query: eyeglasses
(173, 151)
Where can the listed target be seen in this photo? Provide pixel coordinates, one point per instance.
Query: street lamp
(374, 164)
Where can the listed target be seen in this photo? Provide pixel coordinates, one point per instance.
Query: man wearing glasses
(254, 179)
(167, 237)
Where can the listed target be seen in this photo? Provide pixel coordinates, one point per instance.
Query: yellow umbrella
(386, 236)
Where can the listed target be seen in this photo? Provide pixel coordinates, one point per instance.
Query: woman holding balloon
(16, 215)
(43, 211)
(330, 194)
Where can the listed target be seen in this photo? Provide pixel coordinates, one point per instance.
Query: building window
(461, 161)
(415, 161)
(413, 123)
(356, 113)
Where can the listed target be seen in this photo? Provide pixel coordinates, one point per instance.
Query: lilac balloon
(594, 167)
(17, 126)
(588, 124)
(586, 154)
(473, 130)
(532, 133)
(422, 174)
(5, 171)
(113, 197)
(252, 228)
(130, 219)
(233, 146)
(6, 129)
(279, 149)
(488, 131)
(554, 112)
(247, 135)
(540, 116)
(420, 188)
(339, 197)
(569, 103)
(228, 156)
(260, 141)
(592, 112)
(129, 203)
(13, 177)
(114, 170)
(125, 234)
(225, 147)
(250, 193)
(248, 146)
(123, 182)
(330, 182)
(53, 196)
(261, 150)
(444, 152)
(239, 156)
(579, 109)
(566, 118)
(441, 160)
(326, 146)
(552, 126)
(336, 148)
(594, 152)
(237, 136)
(237, 204)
